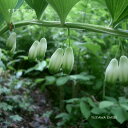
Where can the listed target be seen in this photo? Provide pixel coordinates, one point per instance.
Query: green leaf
(16, 118)
(85, 109)
(6, 7)
(120, 114)
(2, 65)
(4, 90)
(62, 7)
(81, 77)
(124, 106)
(20, 2)
(111, 99)
(105, 104)
(18, 5)
(39, 80)
(123, 100)
(101, 2)
(93, 47)
(38, 67)
(50, 80)
(69, 108)
(118, 10)
(72, 101)
(97, 111)
(62, 81)
(90, 102)
(64, 116)
(5, 107)
(38, 5)
(1, 19)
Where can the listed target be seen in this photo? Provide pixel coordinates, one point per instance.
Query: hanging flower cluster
(59, 59)
(117, 70)
(38, 50)
(62, 59)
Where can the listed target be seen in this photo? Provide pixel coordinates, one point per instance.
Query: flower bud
(56, 61)
(33, 51)
(123, 69)
(11, 42)
(42, 47)
(111, 74)
(68, 60)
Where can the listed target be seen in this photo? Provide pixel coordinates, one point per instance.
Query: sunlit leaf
(62, 7)
(38, 5)
(39, 67)
(6, 7)
(105, 104)
(118, 10)
(18, 5)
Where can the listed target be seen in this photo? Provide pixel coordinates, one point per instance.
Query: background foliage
(76, 99)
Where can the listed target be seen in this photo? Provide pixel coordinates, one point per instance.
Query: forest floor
(41, 105)
(34, 119)
(24, 107)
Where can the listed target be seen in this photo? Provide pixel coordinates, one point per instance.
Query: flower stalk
(84, 26)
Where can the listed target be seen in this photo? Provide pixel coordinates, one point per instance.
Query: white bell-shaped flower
(11, 42)
(42, 47)
(123, 69)
(56, 61)
(111, 74)
(68, 60)
(33, 51)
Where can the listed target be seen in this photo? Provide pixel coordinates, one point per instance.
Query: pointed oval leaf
(118, 10)
(62, 7)
(85, 109)
(38, 5)
(105, 104)
(6, 7)
(120, 114)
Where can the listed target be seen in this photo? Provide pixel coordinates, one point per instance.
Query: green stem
(104, 89)
(74, 89)
(43, 32)
(88, 27)
(61, 103)
(69, 37)
(118, 50)
(121, 47)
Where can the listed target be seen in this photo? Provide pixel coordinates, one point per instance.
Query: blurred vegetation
(76, 98)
